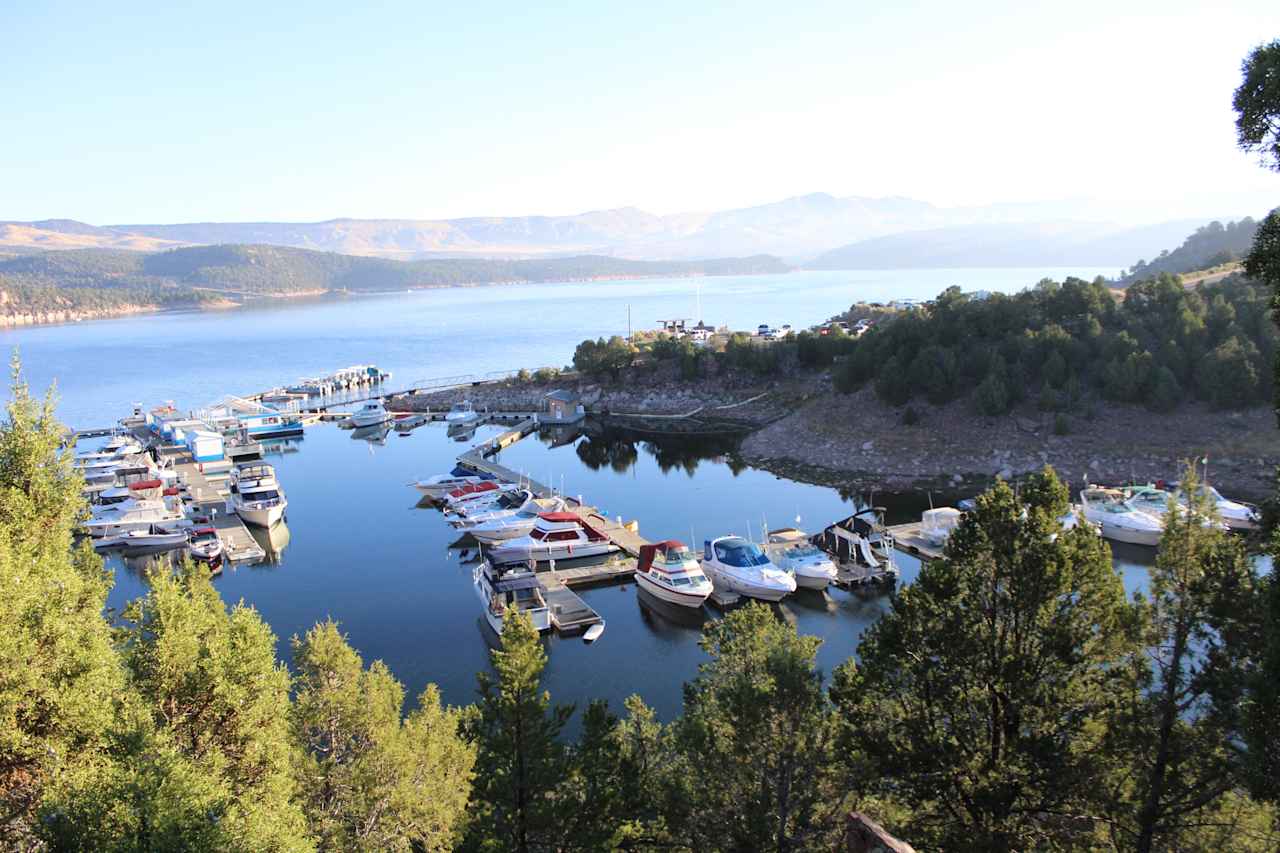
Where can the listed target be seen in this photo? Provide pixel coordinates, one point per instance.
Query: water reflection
(376, 434)
(618, 449)
(272, 540)
(661, 616)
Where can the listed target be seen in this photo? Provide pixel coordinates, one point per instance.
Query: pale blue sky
(271, 110)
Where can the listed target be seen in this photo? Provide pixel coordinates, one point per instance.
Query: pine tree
(975, 701)
(369, 781)
(754, 767)
(212, 685)
(59, 677)
(520, 761)
(1173, 735)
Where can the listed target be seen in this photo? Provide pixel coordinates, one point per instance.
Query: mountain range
(818, 229)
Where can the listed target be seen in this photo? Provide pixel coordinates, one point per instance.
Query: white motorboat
(864, 544)
(1118, 519)
(370, 414)
(153, 539)
(555, 536)
(740, 566)
(461, 414)
(1156, 501)
(936, 524)
(483, 494)
(509, 503)
(442, 484)
(1235, 514)
(133, 514)
(256, 495)
(204, 546)
(504, 588)
(669, 571)
(111, 452)
(791, 551)
(521, 523)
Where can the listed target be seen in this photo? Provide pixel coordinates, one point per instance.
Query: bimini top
(472, 488)
(737, 552)
(667, 548)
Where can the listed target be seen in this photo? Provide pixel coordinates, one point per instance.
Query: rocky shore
(801, 430)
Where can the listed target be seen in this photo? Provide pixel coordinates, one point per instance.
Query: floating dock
(238, 544)
(908, 537)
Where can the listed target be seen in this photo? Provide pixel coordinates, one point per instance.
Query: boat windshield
(800, 551)
(264, 495)
(678, 556)
(740, 553)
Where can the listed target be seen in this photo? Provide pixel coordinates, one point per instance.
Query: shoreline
(803, 431)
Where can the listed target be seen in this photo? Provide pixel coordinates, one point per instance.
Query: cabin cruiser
(153, 539)
(507, 505)
(521, 523)
(118, 448)
(256, 495)
(1118, 518)
(133, 514)
(936, 525)
(863, 541)
(461, 414)
(740, 566)
(670, 572)
(204, 546)
(483, 494)
(370, 414)
(1235, 514)
(791, 551)
(442, 484)
(1156, 502)
(555, 536)
(510, 587)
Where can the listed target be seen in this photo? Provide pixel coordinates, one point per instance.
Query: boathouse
(564, 407)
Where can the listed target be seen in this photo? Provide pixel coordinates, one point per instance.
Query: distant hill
(1004, 245)
(795, 229)
(1208, 246)
(110, 279)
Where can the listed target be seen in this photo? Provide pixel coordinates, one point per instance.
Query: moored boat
(370, 414)
(256, 495)
(937, 524)
(791, 551)
(461, 414)
(740, 566)
(442, 484)
(507, 587)
(1118, 519)
(669, 571)
(205, 547)
(555, 536)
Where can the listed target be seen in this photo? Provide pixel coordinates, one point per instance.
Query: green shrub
(1165, 394)
(892, 384)
(992, 396)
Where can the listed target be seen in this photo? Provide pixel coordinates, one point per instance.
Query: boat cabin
(564, 527)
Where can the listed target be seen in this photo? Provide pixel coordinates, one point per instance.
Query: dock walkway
(238, 544)
(908, 537)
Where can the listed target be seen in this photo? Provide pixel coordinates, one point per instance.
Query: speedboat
(153, 539)
(936, 524)
(791, 551)
(1235, 514)
(204, 546)
(740, 566)
(555, 536)
(507, 505)
(1118, 518)
(483, 494)
(670, 572)
(133, 514)
(461, 413)
(256, 495)
(442, 484)
(118, 448)
(1156, 501)
(520, 523)
(510, 587)
(370, 414)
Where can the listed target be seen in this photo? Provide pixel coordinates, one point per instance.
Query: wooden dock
(238, 544)
(907, 537)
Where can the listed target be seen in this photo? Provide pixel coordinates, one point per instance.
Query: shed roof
(563, 396)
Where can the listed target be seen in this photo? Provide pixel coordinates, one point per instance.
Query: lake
(358, 548)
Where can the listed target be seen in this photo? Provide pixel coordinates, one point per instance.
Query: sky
(233, 111)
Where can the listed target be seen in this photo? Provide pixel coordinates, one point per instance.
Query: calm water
(358, 549)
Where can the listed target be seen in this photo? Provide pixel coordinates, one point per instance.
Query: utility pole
(628, 322)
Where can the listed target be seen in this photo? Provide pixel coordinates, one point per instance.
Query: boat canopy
(508, 584)
(459, 471)
(146, 484)
(648, 552)
(572, 518)
(738, 552)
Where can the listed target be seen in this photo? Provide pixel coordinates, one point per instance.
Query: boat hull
(493, 535)
(540, 616)
(671, 596)
(512, 553)
(818, 582)
(746, 586)
(1128, 535)
(262, 516)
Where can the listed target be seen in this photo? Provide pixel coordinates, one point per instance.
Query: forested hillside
(91, 279)
(1159, 345)
(1210, 246)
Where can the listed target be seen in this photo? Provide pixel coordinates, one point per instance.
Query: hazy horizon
(259, 114)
